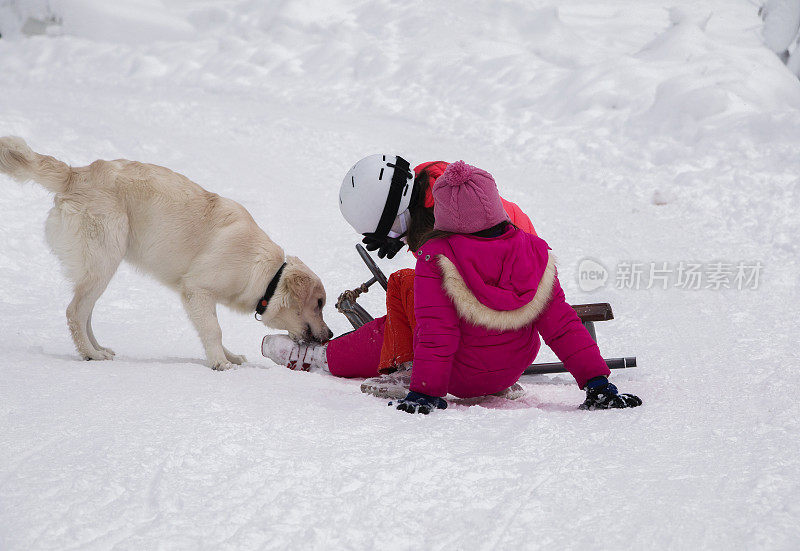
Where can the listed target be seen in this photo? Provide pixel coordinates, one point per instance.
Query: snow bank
(126, 21)
(426, 62)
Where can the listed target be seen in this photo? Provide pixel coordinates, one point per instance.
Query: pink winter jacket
(481, 304)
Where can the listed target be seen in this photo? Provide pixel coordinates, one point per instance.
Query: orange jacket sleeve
(518, 218)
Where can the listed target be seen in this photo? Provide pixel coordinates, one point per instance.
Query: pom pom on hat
(458, 173)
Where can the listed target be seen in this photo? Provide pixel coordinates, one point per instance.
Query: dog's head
(300, 298)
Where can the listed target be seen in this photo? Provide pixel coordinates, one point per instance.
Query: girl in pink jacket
(483, 293)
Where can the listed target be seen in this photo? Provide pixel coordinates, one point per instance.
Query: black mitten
(417, 402)
(385, 245)
(600, 394)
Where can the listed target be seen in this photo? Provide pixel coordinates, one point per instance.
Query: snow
(640, 131)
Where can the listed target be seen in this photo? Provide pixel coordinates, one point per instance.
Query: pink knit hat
(466, 200)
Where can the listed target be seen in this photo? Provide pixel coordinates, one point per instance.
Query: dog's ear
(299, 284)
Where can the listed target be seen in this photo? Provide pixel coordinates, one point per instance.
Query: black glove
(385, 245)
(600, 394)
(417, 402)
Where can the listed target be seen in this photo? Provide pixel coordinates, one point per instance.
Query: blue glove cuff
(601, 385)
(597, 382)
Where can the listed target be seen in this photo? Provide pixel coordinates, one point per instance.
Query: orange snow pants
(398, 333)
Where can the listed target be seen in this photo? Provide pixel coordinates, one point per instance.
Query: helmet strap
(397, 189)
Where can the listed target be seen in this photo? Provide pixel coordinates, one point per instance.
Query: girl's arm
(437, 334)
(563, 332)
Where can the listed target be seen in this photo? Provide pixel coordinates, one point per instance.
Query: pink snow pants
(358, 353)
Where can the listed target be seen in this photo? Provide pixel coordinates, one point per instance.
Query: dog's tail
(23, 164)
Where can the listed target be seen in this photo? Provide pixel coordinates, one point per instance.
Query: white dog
(206, 247)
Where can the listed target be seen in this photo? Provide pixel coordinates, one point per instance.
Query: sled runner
(589, 314)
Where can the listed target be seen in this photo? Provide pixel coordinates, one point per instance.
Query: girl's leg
(356, 354)
(398, 339)
(353, 354)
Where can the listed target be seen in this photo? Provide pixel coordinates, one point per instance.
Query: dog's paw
(237, 359)
(106, 354)
(108, 351)
(221, 365)
(98, 355)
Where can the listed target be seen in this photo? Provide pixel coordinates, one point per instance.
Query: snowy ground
(588, 115)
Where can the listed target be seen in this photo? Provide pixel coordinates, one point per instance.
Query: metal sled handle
(376, 272)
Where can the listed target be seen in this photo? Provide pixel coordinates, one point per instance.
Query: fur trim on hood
(477, 313)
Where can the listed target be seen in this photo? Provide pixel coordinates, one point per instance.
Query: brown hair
(422, 219)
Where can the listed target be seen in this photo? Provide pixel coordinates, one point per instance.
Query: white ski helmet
(375, 192)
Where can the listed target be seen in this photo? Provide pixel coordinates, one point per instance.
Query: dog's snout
(321, 337)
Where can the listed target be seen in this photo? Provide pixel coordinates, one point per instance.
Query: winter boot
(514, 392)
(390, 385)
(301, 357)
